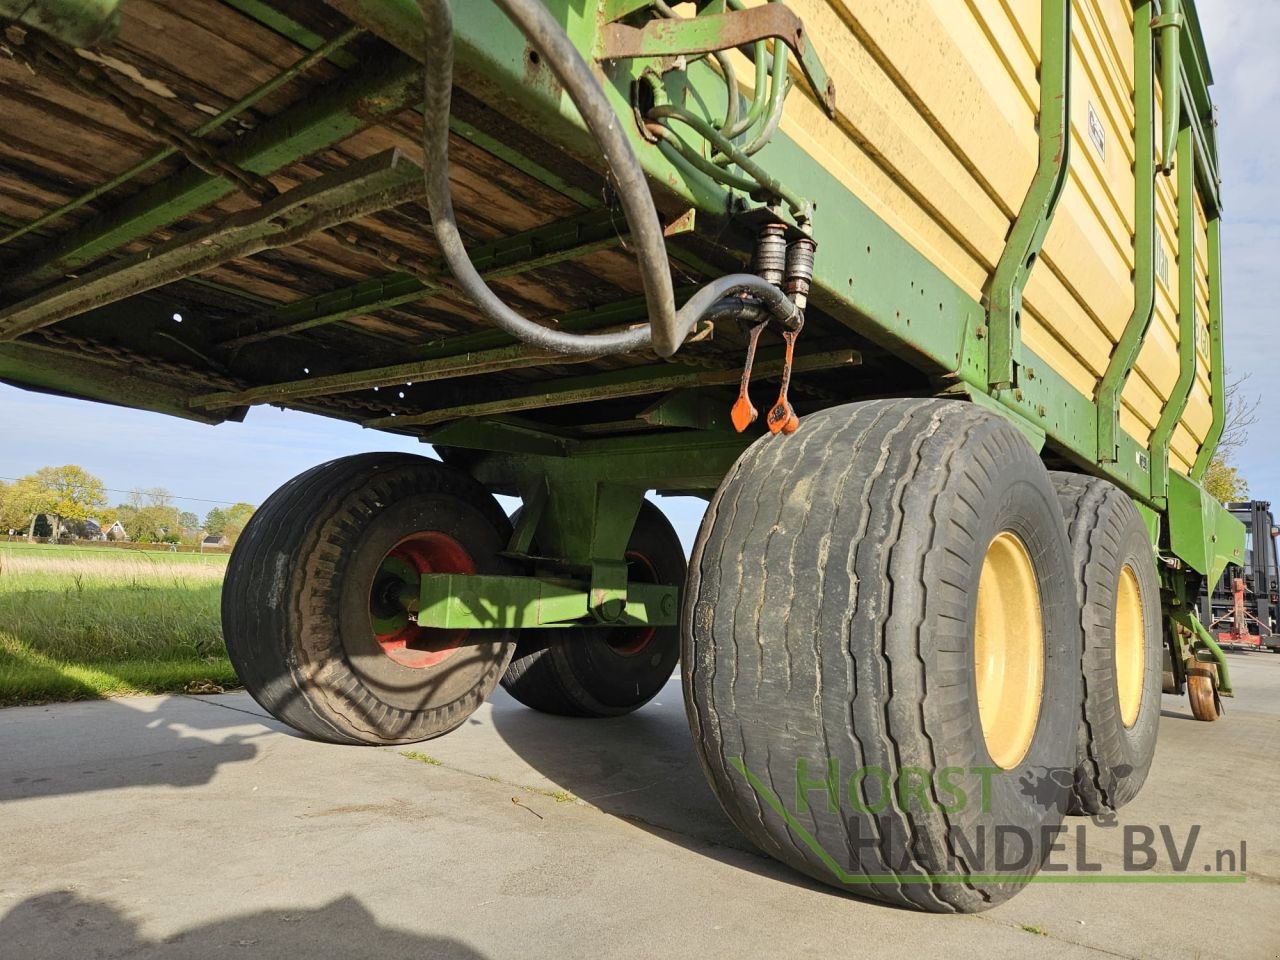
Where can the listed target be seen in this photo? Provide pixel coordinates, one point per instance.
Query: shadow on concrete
(109, 745)
(640, 768)
(67, 926)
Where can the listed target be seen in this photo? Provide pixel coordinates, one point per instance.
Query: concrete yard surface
(199, 828)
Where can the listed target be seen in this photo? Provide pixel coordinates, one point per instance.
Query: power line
(172, 496)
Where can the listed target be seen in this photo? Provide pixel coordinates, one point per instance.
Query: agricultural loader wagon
(923, 297)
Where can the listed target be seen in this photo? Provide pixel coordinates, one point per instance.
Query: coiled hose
(668, 327)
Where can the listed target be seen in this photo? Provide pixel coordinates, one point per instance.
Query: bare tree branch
(1241, 414)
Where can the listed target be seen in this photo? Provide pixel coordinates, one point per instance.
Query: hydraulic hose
(667, 328)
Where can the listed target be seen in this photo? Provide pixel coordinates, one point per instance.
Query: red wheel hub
(394, 593)
(631, 642)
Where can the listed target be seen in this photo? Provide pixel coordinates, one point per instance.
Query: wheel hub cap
(393, 599)
(1009, 650)
(1131, 635)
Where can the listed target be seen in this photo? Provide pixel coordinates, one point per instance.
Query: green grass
(78, 623)
(420, 757)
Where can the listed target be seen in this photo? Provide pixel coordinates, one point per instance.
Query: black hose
(667, 327)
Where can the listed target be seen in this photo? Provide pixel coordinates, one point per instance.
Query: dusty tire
(1122, 666)
(831, 631)
(302, 592)
(1202, 691)
(610, 671)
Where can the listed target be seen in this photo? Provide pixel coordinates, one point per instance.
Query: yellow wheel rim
(1009, 650)
(1131, 642)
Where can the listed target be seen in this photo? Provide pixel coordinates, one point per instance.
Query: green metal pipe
(1205, 637)
(762, 181)
(759, 96)
(1004, 317)
(1217, 354)
(671, 144)
(1170, 24)
(1144, 274)
(1176, 404)
(773, 100)
(79, 23)
(760, 93)
(233, 111)
(778, 85)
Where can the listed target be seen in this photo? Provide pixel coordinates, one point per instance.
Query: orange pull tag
(782, 418)
(744, 412)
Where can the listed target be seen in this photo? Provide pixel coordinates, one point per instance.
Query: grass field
(79, 623)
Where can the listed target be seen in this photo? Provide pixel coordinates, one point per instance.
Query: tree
(1222, 479)
(150, 497)
(151, 524)
(13, 515)
(229, 522)
(63, 493)
(1224, 483)
(215, 522)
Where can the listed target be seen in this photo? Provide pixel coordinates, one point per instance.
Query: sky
(1246, 68)
(246, 462)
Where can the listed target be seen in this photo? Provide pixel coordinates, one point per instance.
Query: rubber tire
(577, 673)
(1107, 533)
(829, 618)
(295, 603)
(1202, 691)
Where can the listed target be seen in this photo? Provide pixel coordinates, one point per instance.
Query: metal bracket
(1004, 315)
(1218, 369)
(1175, 407)
(697, 36)
(483, 602)
(1204, 643)
(1169, 25)
(1129, 348)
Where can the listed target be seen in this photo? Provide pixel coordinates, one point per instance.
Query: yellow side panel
(945, 154)
(936, 132)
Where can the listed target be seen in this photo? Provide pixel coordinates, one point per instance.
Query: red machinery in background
(1242, 608)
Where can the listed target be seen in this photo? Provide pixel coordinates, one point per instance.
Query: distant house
(210, 542)
(114, 532)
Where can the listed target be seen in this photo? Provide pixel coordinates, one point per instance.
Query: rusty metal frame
(696, 36)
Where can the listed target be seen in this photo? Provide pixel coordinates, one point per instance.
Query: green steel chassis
(582, 495)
